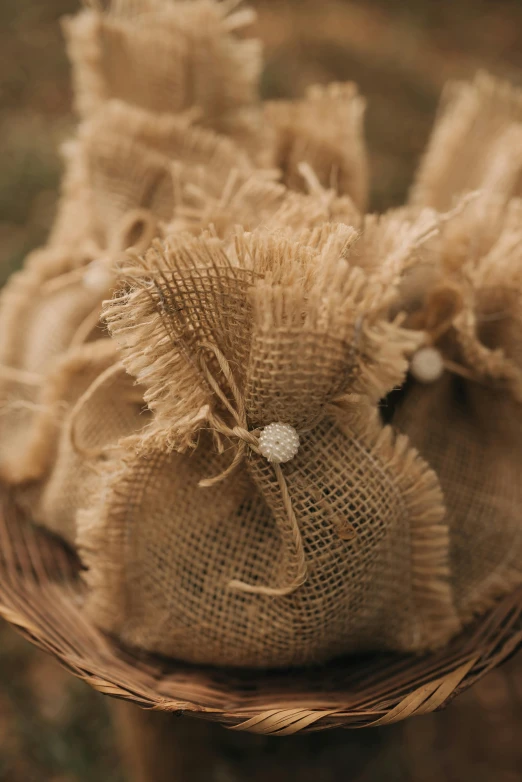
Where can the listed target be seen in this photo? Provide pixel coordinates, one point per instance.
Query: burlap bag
(88, 404)
(325, 131)
(41, 313)
(143, 73)
(168, 57)
(124, 175)
(476, 144)
(126, 158)
(121, 185)
(219, 556)
(468, 424)
(53, 304)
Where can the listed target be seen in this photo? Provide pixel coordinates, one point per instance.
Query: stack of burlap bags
(276, 429)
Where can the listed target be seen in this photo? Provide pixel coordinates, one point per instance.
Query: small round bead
(427, 365)
(98, 277)
(278, 443)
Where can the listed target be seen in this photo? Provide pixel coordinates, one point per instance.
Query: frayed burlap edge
(83, 34)
(461, 104)
(100, 544)
(437, 619)
(491, 590)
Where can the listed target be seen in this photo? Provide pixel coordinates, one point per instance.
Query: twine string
(102, 379)
(433, 338)
(240, 433)
(21, 376)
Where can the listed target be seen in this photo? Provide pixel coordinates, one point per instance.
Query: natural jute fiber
(89, 404)
(467, 424)
(325, 131)
(275, 430)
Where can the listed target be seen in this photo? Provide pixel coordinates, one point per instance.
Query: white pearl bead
(97, 277)
(278, 443)
(427, 365)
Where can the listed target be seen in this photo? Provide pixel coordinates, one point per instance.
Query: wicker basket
(41, 595)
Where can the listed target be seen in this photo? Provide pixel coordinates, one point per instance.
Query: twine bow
(244, 438)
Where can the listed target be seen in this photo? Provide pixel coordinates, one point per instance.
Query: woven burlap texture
(125, 158)
(40, 315)
(122, 183)
(90, 403)
(143, 72)
(467, 297)
(226, 338)
(325, 131)
(77, 419)
(168, 57)
(468, 424)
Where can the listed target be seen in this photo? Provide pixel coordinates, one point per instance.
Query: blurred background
(400, 52)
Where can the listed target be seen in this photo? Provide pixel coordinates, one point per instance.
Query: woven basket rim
(41, 596)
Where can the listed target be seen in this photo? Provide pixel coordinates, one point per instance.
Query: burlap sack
(464, 291)
(126, 181)
(124, 175)
(476, 144)
(41, 314)
(468, 424)
(143, 73)
(125, 158)
(121, 185)
(325, 131)
(342, 549)
(88, 404)
(167, 57)
(55, 302)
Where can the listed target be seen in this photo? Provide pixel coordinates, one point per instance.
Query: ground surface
(53, 728)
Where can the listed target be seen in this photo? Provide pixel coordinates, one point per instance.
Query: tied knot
(278, 443)
(248, 437)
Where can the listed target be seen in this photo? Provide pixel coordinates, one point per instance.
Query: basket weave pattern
(41, 595)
